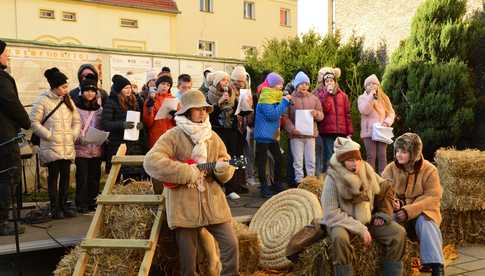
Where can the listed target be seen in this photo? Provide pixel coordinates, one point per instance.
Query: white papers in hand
(245, 101)
(132, 134)
(96, 136)
(304, 121)
(167, 106)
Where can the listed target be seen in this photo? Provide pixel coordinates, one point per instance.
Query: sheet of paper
(96, 136)
(167, 106)
(304, 121)
(133, 133)
(245, 101)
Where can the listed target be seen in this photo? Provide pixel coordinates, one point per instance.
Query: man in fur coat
(194, 199)
(357, 200)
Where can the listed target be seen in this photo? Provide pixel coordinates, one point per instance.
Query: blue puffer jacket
(270, 107)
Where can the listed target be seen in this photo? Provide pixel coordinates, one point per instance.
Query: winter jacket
(12, 114)
(372, 111)
(421, 190)
(303, 101)
(186, 206)
(112, 120)
(268, 114)
(88, 150)
(76, 92)
(156, 127)
(336, 108)
(58, 133)
(342, 201)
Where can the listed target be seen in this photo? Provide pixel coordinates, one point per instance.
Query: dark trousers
(59, 171)
(88, 174)
(9, 157)
(262, 157)
(234, 142)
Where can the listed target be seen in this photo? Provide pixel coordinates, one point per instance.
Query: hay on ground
(313, 184)
(459, 227)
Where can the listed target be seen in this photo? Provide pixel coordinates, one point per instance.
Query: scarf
(199, 134)
(215, 94)
(270, 96)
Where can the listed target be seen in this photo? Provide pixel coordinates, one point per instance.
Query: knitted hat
(151, 75)
(193, 99)
(216, 77)
(55, 77)
(89, 83)
(274, 79)
(300, 78)
(238, 73)
(371, 79)
(119, 82)
(346, 149)
(2, 46)
(164, 78)
(411, 143)
(328, 72)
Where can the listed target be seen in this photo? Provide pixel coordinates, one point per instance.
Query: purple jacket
(90, 150)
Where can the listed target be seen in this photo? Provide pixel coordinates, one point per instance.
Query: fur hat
(238, 73)
(193, 99)
(2, 46)
(328, 72)
(371, 79)
(119, 82)
(55, 77)
(216, 77)
(274, 79)
(346, 149)
(164, 78)
(300, 78)
(89, 83)
(412, 143)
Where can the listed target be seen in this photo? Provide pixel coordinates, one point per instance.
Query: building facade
(378, 21)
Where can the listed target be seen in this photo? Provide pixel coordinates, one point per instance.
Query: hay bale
(462, 175)
(459, 227)
(249, 248)
(278, 219)
(313, 184)
(317, 259)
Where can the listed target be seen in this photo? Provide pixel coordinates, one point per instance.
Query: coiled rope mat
(278, 219)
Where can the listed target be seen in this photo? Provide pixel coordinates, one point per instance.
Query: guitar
(238, 162)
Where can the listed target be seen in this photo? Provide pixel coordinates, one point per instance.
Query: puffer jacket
(336, 108)
(373, 111)
(304, 102)
(59, 132)
(89, 150)
(186, 206)
(158, 127)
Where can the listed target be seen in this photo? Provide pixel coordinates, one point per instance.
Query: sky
(312, 14)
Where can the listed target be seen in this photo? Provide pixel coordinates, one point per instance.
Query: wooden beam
(130, 199)
(154, 235)
(116, 243)
(134, 160)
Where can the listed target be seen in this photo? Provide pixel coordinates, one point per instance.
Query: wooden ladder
(106, 198)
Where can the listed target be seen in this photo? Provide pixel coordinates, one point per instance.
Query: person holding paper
(303, 142)
(113, 119)
(374, 107)
(160, 102)
(270, 108)
(88, 154)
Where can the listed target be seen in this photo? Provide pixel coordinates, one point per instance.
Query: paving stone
(463, 259)
(480, 272)
(453, 271)
(471, 266)
(473, 251)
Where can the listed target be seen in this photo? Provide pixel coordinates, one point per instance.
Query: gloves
(221, 166)
(150, 102)
(128, 125)
(139, 125)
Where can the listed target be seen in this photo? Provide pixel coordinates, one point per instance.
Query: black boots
(437, 269)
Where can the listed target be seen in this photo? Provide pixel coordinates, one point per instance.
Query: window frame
(252, 5)
(204, 52)
(287, 17)
(41, 11)
(132, 26)
(64, 13)
(206, 6)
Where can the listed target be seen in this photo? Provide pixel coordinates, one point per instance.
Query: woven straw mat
(278, 219)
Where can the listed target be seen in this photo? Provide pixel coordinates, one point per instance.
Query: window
(248, 51)
(249, 10)
(129, 23)
(285, 17)
(206, 5)
(49, 14)
(69, 16)
(207, 48)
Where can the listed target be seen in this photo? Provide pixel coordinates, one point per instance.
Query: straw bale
(317, 259)
(462, 175)
(312, 184)
(459, 227)
(249, 248)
